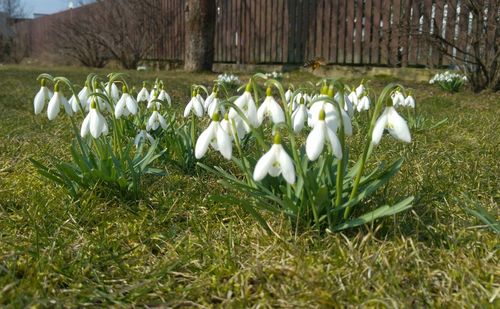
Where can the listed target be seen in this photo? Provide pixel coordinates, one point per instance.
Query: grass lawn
(176, 247)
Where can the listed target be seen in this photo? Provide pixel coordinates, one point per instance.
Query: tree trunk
(200, 31)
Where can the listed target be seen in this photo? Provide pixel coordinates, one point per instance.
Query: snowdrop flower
(332, 115)
(143, 95)
(194, 106)
(360, 90)
(126, 105)
(43, 95)
(297, 99)
(316, 140)
(112, 91)
(55, 103)
(233, 127)
(410, 101)
(216, 137)
(288, 95)
(347, 103)
(270, 108)
(155, 121)
(364, 104)
(83, 95)
(275, 162)
(247, 105)
(299, 116)
(75, 106)
(210, 98)
(164, 96)
(94, 123)
(353, 97)
(394, 123)
(397, 98)
(142, 136)
(215, 107)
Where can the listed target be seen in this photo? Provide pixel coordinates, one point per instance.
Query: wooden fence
(353, 32)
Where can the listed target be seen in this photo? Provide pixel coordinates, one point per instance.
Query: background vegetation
(177, 247)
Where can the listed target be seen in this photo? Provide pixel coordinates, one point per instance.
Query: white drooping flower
(155, 121)
(348, 105)
(320, 134)
(353, 97)
(298, 99)
(216, 137)
(394, 123)
(215, 107)
(234, 127)
(94, 122)
(194, 106)
(126, 105)
(398, 98)
(83, 95)
(360, 90)
(164, 96)
(143, 135)
(75, 106)
(270, 109)
(112, 91)
(288, 95)
(42, 97)
(209, 99)
(55, 103)
(275, 162)
(364, 104)
(410, 101)
(332, 116)
(143, 95)
(299, 117)
(247, 105)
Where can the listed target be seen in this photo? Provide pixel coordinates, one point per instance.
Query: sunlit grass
(177, 247)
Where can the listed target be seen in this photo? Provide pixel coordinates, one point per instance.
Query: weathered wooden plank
(341, 34)
(375, 43)
(350, 32)
(395, 31)
(358, 36)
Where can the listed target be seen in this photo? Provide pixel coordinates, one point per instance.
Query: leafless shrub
(476, 46)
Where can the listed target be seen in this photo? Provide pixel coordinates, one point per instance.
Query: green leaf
(380, 212)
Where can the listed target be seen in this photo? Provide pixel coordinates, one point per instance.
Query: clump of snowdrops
(449, 81)
(111, 126)
(291, 150)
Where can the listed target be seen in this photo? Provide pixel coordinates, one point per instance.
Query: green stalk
(376, 113)
(340, 166)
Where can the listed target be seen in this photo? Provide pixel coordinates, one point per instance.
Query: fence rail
(357, 32)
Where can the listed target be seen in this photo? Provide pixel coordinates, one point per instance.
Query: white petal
(287, 168)
(264, 165)
(378, 130)
(85, 126)
(54, 106)
(39, 101)
(347, 123)
(131, 105)
(334, 143)
(187, 110)
(96, 123)
(315, 141)
(277, 113)
(162, 121)
(204, 140)
(397, 126)
(198, 108)
(120, 107)
(224, 143)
